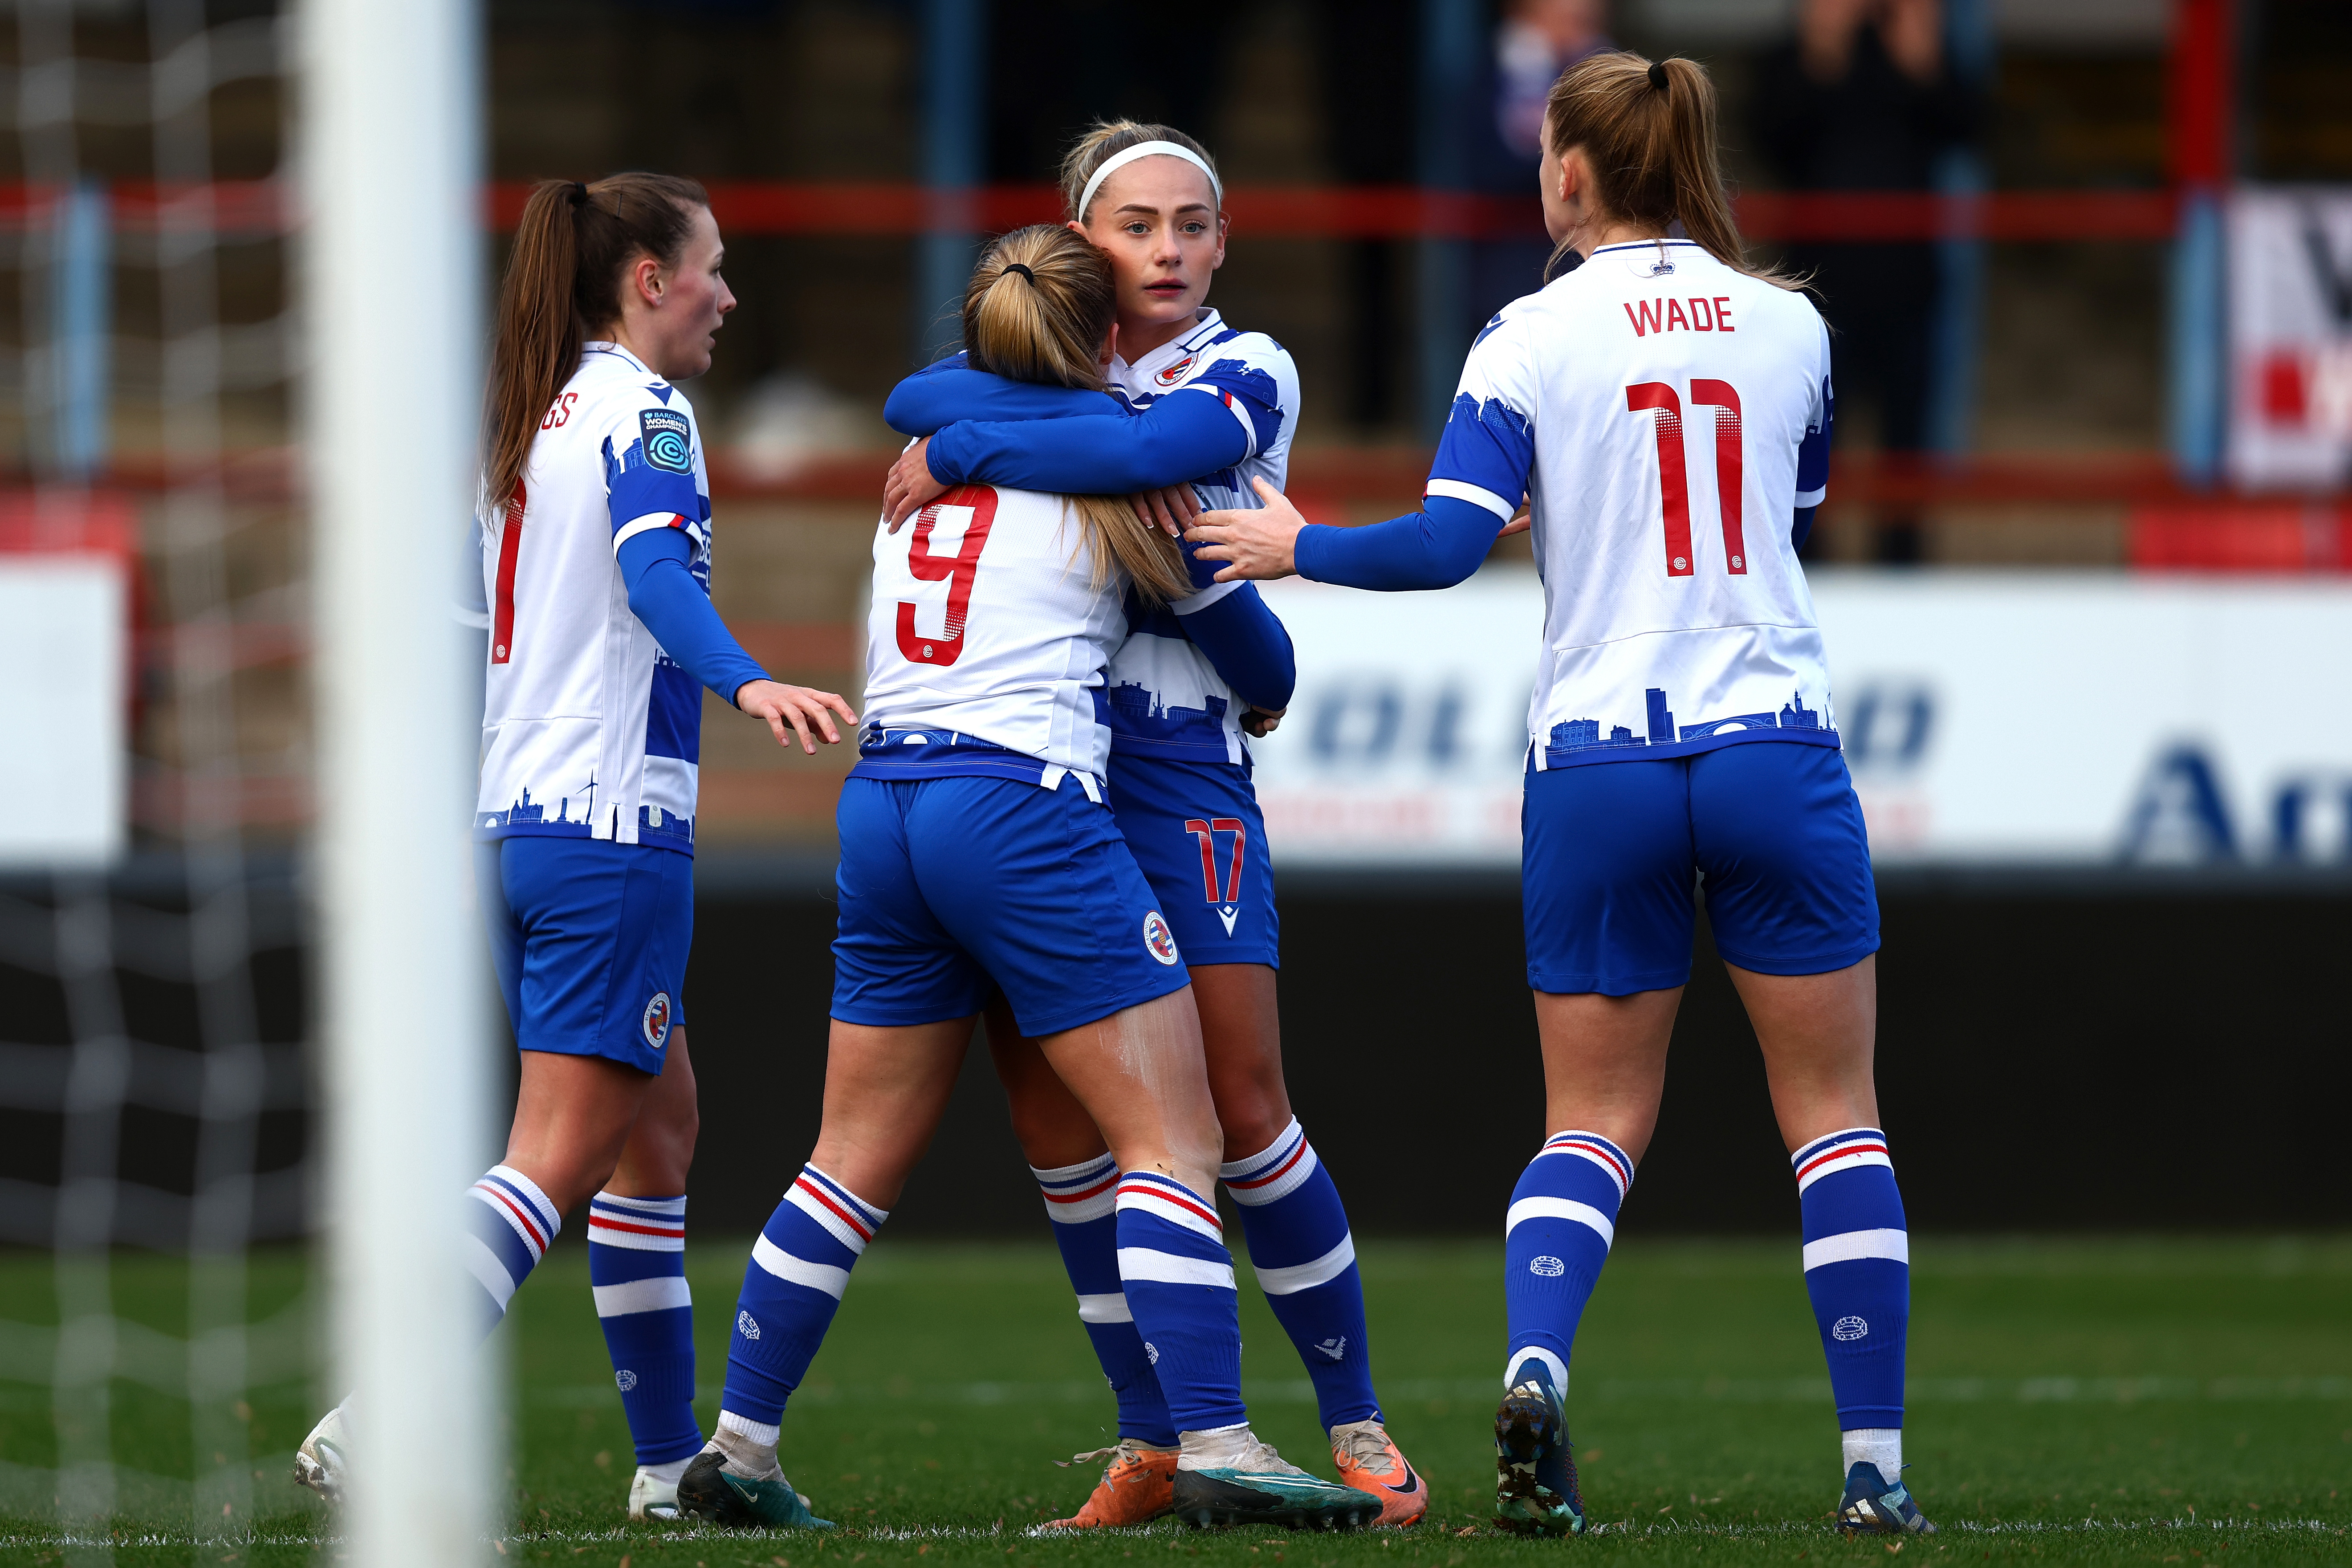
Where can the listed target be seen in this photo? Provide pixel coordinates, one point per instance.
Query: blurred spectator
(1860, 100)
(1535, 40)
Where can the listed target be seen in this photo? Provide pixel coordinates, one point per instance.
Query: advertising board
(1989, 719)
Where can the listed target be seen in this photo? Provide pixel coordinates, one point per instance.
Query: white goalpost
(392, 169)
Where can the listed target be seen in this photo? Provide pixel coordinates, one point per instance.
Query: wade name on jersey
(1165, 698)
(1666, 415)
(589, 730)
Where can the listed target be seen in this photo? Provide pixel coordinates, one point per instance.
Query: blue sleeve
(925, 403)
(664, 594)
(1249, 646)
(1184, 435)
(652, 471)
(1435, 547)
(1814, 468)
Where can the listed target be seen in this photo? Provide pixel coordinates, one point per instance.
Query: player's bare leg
(1820, 1037)
(885, 1091)
(1605, 1062)
(1139, 1076)
(573, 1116)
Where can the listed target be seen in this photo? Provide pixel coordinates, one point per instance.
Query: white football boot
(322, 1462)
(654, 1493)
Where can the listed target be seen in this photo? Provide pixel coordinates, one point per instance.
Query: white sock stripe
(530, 1189)
(823, 1207)
(1893, 1245)
(1835, 1162)
(1173, 1204)
(1307, 1275)
(1111, 1308)
(799, 1270)
(872, 1216)
(632, 1241)
(483, 1265)
(1101, 1165)
(1273, 1154)
(1560, 1208)
(516, 1215)
(1557, 1368)
(1168, 1268)
(658, 1294)
(666, 1208)
(1272, 1186)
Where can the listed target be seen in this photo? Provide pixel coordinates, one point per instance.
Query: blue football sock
(1858, 1271)
(636, 1265)
(1563, 1216)
(1178, 1279)
(509, 1229)
(800, 1266)
(1082, 1200)
(1306, 1262)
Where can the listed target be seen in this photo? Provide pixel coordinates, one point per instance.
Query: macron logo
(1229, 915)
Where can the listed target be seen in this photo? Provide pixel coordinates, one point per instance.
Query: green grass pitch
(2079, 1400)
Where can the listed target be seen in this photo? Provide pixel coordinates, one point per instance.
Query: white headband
(1120, 160)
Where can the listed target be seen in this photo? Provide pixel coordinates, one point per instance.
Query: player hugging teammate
(1201, 408)
(979, 859)
(595, 539)
(1680, 730)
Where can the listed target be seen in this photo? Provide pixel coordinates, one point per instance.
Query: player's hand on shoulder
(795, 711)
(1261, 544)
(909, 487)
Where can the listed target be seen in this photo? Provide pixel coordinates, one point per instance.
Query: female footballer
(1186, 687)
(978, 858)
(596, 565)
(1680, 730)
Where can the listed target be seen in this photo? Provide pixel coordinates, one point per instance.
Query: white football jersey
(589, 730)
(1166, 699)
(986, 642)
(1666, 415)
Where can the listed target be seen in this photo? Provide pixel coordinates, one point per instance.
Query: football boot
(1369, 1461)
(1254, 1485)
(1535, 1480)
(653, 1495)
(1136, 1487)
(322, 1462)
(710, 1492)
(1875, 1505)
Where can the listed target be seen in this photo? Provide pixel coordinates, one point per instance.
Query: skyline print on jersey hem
(1577, 741)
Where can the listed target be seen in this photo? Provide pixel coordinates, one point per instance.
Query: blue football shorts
(1198, 834)
(589, 940)
(952, 889)
(1611, 851)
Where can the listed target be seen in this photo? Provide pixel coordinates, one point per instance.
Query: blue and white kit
(596, 593)
(976, 848)
(1677, 624)
(1179, 784)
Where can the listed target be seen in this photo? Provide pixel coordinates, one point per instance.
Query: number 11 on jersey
(1674, 480)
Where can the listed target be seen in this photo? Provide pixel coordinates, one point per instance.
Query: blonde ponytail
(1037, 309)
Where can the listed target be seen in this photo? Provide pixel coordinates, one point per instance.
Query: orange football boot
(1139, 1487)
(1369, 1461)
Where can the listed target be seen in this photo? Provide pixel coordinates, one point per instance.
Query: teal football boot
(1875, 1505)
(709, 1492)
(1258, 1486)
(1535, 1477)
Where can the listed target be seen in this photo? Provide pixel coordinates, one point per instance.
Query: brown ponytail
(1648, 130)
(563, 285)
(1037, 309)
